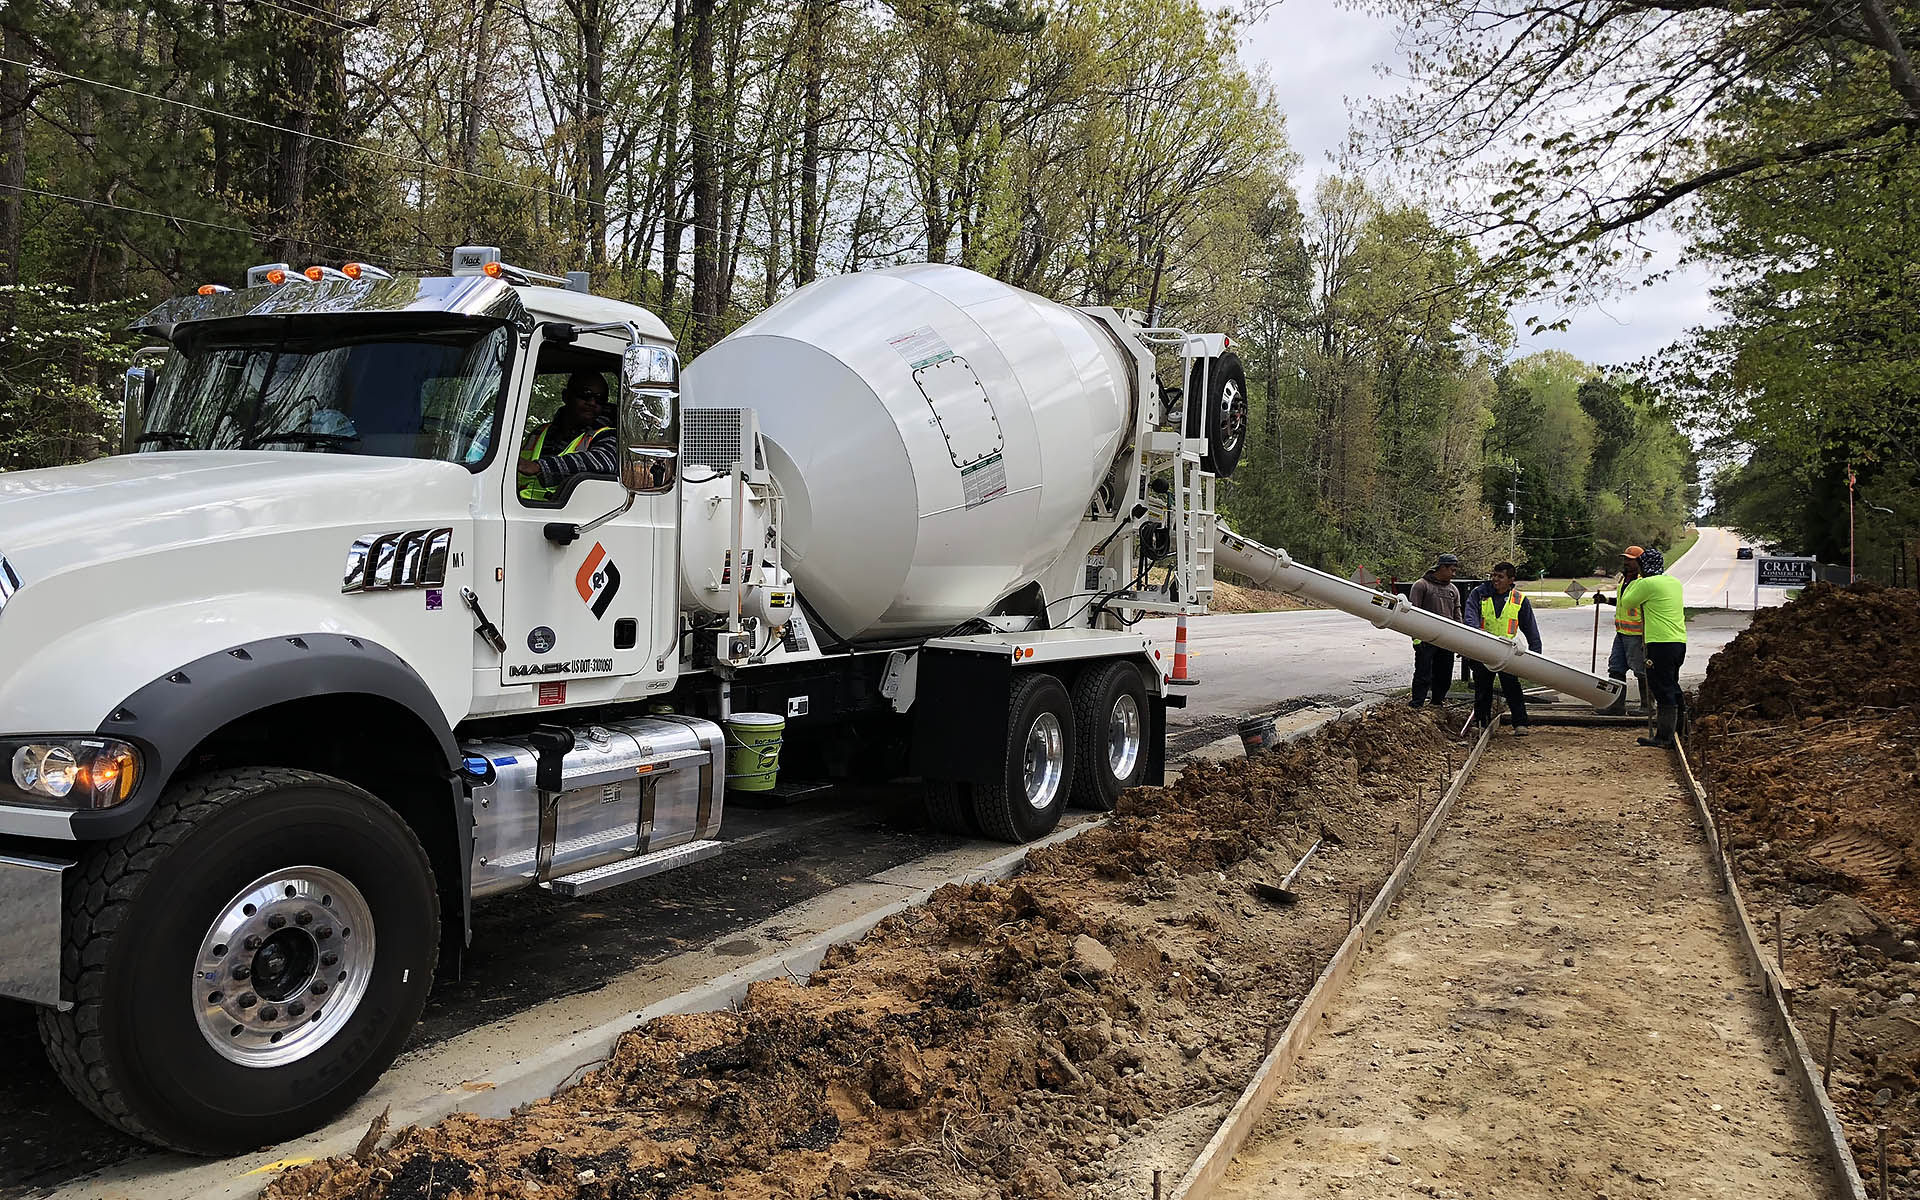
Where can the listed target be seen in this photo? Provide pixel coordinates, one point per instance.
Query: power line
(176, 218)
(318, 137)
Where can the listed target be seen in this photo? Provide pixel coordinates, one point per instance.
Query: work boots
(1668, 716)
(1646, 700)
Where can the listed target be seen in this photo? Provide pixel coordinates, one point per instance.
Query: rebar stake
(1881, 1133)
(1780, 946)
(1156, 1183)
(1267, 1040)
(1826, 1071)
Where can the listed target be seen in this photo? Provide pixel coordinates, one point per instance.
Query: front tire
(1037, 777)
(1111, 721)
(246, 963)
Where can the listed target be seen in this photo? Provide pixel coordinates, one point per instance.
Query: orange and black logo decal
(598, 581)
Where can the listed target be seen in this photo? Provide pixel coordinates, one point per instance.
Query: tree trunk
(13, 151)
(670, 165)
(703, 123)
(806, 255)
(593, 42)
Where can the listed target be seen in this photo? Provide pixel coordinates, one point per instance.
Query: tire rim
(1046, 760)
(283, 967)
(1233, 417)
(1123, 737)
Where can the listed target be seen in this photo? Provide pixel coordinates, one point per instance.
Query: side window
(567, 435)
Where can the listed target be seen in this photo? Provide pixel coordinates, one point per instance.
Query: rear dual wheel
(1035, 777)
(1111, 720)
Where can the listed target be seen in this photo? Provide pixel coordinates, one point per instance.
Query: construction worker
(580, 440)
(1433, 665)
(1499, 608)
(1663, 612)
(1629, 651)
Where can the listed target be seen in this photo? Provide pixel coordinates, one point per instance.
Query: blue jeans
(1629, 654)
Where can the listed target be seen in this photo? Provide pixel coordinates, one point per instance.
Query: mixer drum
(936, 434)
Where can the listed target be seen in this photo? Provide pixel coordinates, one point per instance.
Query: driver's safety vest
(535, 491)
(1501, 620)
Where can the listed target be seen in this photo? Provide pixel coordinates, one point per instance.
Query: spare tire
(1218, 411)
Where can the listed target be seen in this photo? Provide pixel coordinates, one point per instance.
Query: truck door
(585, 610)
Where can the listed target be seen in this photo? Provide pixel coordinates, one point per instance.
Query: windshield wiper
(170, 436)
(304, 438)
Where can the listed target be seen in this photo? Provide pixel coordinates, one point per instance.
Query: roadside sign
(1784, 572)
(1575, 590)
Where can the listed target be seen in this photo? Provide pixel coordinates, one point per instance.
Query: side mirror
(139, 384)
(649, 419)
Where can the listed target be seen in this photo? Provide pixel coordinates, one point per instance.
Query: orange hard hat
(1632, 552)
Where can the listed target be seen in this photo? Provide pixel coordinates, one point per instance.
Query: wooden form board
(1801, 1062)
(1277, 1068)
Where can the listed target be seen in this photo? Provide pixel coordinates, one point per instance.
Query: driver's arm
(601, 456)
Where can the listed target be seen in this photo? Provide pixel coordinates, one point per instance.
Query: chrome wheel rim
(1046, 760)
(1123, 736)
(1233, 417)
(283, 967)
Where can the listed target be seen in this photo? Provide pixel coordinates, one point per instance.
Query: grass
(1684, 544)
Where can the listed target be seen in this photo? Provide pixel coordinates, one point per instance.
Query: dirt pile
(1809, 742)
(1056, 1035)
(1233, 598)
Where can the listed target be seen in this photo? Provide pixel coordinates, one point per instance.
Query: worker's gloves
(1601, 598)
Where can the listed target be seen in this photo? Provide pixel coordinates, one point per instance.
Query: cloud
(1325, 60)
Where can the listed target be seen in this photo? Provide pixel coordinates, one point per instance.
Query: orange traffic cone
(1181, 674)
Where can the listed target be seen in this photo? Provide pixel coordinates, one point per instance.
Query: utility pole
(1513, 516)
(1851, 576)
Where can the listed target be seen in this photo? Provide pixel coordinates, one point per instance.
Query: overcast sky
(1322, 56)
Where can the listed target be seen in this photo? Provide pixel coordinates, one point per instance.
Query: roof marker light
(360, 270)
(264, 275)
(319, 273)
(213, 289)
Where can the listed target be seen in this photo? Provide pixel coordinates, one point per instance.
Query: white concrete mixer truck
(358, 630)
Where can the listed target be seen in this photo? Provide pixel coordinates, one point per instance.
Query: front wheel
(246, 963)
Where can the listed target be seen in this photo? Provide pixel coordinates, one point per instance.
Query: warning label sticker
(921, 348)
(985, 480)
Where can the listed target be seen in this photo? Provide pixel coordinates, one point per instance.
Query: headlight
(72, 772)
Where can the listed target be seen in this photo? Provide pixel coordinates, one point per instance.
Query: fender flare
(170, 716)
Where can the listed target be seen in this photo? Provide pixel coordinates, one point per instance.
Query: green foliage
(54, 355)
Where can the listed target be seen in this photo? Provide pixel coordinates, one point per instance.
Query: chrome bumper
(30, 909)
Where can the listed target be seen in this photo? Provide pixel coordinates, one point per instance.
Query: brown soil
(1557, 1006)
(1232, 598)
(1809, 742)
(1057, 1035)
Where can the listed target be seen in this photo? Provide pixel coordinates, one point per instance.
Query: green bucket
(753, 751)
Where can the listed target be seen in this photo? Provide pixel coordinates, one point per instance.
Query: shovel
(1282, 894)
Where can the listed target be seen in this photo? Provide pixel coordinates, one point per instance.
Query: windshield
(427, 391)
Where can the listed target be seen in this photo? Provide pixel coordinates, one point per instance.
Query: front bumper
(30, 914)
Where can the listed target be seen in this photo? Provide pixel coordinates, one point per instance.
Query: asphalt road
(1257, 662)
(1714, 576)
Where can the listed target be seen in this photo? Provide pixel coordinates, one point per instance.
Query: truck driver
(580, 440)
